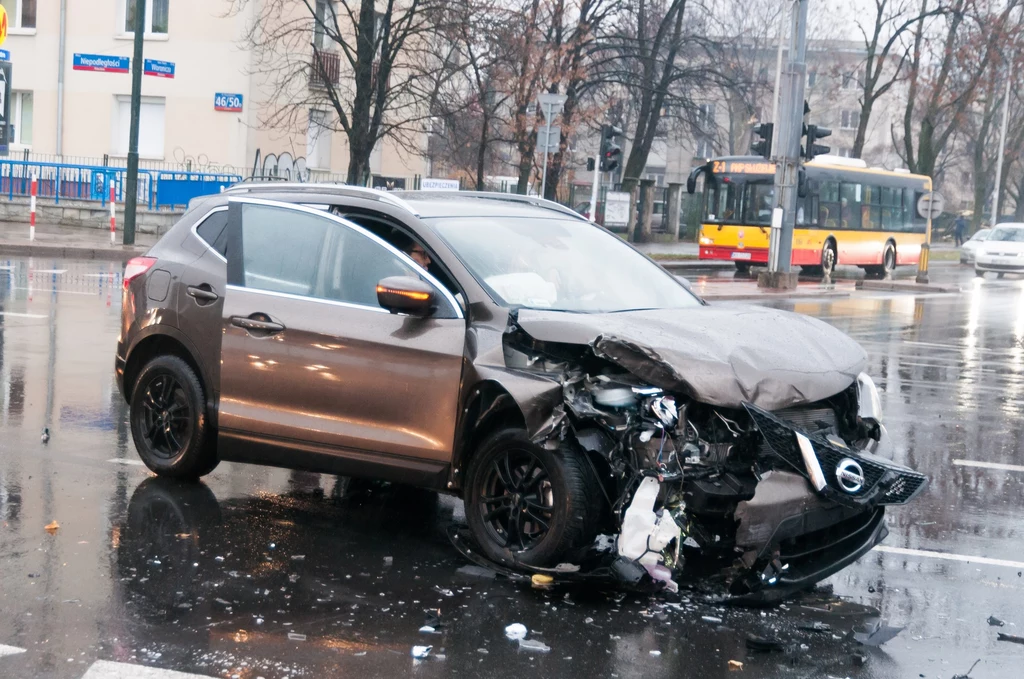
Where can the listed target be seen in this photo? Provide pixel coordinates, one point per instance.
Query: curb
(108, 254)
(793, 294)
(685, 264)
(899, 286)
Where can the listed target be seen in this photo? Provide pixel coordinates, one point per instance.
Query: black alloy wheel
(517, 501)
(166, 416)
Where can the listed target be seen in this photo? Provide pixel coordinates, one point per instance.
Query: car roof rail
(324, 187)
(526, 200)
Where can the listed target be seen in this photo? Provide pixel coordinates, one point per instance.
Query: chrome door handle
(256, 324)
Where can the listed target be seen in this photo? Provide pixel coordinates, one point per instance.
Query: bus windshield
(739, 200)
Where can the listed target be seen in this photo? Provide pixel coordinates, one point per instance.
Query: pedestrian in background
(960, 230)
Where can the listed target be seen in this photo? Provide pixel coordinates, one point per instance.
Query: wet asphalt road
(266, 573)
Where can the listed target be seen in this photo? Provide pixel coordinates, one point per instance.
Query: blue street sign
(161, 69)
(5, 55)
(227, 102)
(100, 62)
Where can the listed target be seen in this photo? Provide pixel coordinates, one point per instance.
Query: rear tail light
(135, 267)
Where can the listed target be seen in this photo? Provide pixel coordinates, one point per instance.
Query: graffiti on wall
(280, 166)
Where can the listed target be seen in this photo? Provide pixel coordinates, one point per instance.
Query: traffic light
(764, 146)
(814, 133)
(590, 164)
(610, 150)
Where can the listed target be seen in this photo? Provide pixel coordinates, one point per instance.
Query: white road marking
(63, 292)
(56, 271)
(104, 669)
(990, 465)
(950, 557)
(10, 650)
(115, 460)
(16, 314)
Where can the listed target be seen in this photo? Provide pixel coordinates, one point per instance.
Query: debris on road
(1013, 638)
(420, 652)
(859, 659)
(995, 622)
(711, 619)
(45, 438)
(735, 665)
(816, 626)
(427, 629)
(655, 653)
(533, 645)
(967, 674)
(516, 631)
(295, 636)
(875, 633)
(474, 571)
(763, 644)
(52, 527)
(541, 580)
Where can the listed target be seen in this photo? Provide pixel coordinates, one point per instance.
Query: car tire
(999, 274)
(979, 274)
(743, 268)
(168, 420)
(514, 487)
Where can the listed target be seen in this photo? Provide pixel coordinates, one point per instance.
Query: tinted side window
(213, 230)
(281, 249)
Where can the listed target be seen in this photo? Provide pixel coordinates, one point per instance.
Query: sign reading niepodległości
(100, 62)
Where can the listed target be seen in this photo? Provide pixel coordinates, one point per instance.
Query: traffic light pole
(594, 188)
(131, 190)
(789, 128)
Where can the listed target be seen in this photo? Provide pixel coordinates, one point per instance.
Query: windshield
(981, 235)
(1005, 234)
(739, 202)
(560, 264)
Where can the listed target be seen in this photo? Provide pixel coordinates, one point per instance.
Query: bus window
(723, 202)
(892, 209)
(850, 199)
(913, 223)
(828, 205)
(871, 210)
(757, 203)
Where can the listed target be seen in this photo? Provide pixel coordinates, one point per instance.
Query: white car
(969, 249)
(1002, 252)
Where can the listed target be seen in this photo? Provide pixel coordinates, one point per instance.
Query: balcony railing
(325, 69)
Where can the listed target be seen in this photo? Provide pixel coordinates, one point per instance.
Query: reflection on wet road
(266, 573)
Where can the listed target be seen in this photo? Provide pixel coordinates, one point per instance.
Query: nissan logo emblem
(850, 475)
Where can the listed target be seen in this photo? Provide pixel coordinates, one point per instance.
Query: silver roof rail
(526, 200)
(328, 187)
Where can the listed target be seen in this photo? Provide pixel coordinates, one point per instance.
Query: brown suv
(505, 349)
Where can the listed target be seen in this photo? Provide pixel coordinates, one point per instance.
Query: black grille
(809, 419)
(884, 482)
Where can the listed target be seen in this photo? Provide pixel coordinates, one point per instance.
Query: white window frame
(116, 127)
(705, 144)
(319, 118)
(149, 34)
(17, 102)
(849, 119)
(14, 26)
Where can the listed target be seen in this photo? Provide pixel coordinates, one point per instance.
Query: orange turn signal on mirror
(411, 294)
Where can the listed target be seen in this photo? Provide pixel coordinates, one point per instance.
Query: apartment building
(202, 104)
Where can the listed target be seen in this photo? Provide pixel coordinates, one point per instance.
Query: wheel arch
(490, 407)
(163, 341)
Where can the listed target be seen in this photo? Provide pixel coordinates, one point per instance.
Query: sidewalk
(71, 242)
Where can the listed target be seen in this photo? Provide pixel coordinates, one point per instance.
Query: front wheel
(829, 260)
(979, 274)
(529, 505)
(168, 420)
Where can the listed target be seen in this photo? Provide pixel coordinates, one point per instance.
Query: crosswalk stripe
(990, 465)
(10, 650)
(104, 669)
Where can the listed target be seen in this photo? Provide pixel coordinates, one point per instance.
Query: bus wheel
(887, 266)
(743, 268)
(828, 259)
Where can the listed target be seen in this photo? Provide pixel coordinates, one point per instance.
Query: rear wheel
(168, 420)
(829, 259)
(530, 505)
(888, 264)
(743, 268)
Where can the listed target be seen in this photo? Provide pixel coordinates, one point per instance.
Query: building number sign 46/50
(227, 102)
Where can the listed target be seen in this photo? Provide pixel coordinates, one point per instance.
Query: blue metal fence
(156, 189)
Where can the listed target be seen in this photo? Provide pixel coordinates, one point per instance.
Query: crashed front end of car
(748, 444)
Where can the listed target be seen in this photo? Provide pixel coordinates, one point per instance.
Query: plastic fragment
(541, 580)
(388, 561)
(995, 622)
(1013, 638)
(241, 636)
(474, 571)
(876, 633)
(533, 645)
(711, 619)
(52, 527)
(859, 659)
(815, 626)
(735, 665)
(655, 653)
(295, 636)
(516, 631)
(756, 643)
(427, 629)
(298, 557)
(445, 592)
(420, 652)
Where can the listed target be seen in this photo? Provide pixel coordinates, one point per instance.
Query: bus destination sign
(741, 167)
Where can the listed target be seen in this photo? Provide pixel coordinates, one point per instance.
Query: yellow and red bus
(847, 213)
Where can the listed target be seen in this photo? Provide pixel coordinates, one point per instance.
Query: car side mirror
(406, 295)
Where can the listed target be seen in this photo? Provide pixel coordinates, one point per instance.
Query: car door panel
(339, 378)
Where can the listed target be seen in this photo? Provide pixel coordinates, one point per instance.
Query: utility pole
(789, 129)
(132, 181)
(1002, 140)
(549, 102)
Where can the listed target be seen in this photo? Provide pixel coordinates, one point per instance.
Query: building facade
(202, 106)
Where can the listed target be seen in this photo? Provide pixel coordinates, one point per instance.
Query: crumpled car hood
(722, 356)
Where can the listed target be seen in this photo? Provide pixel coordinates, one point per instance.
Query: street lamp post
(132, 179)
(549, 101)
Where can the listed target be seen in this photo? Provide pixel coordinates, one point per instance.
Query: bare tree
(371, 64)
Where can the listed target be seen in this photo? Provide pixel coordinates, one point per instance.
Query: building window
(321, 23)
(965, 177)
(812, 78)
(704, 149)
(21, 118)
(850, 120)
(706, 116)
(845, 152)
(156, 16)
(318, 141)
(151, 126)
(851, 81)
(21, 13)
